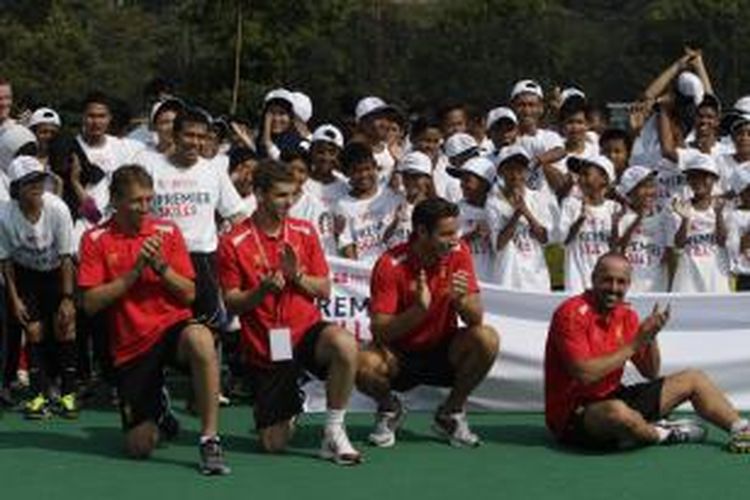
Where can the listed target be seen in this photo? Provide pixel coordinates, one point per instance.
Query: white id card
(280, 340)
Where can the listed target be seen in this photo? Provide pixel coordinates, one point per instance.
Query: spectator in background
(738, 243)
(368, 210)
(277, 131)
(373, 118)
(524, 226)
(616, 144)
(586, 223)
(698, 229)
(479, 214)
(642, 233)
(6, 103)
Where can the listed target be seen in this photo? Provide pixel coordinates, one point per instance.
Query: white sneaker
(683, 431)
(387, 423)
(455, 428)
(337, 448)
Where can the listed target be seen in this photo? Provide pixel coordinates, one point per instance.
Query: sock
(739, 426)
(66, 355)
(335, 419)
(204, 439)
(662, 432)
(37, 373)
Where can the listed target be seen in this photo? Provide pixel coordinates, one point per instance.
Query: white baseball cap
(25, 167)
(741, 180)
(571, 92)
(458, 144)
(12, 138)
(479, 165)
(369, 105)
(173, 102)
(512, 151)
(689, 85)
(527, 86)
(739, 121)
(742, 105)
(44, 116)
(302, 106)
(576, 162)
(633, 176)
(280, 94)
(415, 162)
(330, 134)
(700, 162)
(501, 113)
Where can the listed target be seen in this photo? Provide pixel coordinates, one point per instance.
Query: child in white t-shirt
(545, 146)
(478, 213)
(368, 210)
(738, 243)
(642, 231)
(731, 165)
(699, 232)
(524, 219)
(242, 165)
(427, 138)
(306, 206)
(415, 169)
(586, 224)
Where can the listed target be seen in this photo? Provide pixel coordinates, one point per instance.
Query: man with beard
(591, 338)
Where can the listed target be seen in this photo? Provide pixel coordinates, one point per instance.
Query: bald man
(591, 338)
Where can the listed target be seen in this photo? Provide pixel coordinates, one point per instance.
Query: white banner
(708, 332)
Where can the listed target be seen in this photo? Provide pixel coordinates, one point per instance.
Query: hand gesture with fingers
(273, 282)
(289, 262)
(654, 323)
(459, 285)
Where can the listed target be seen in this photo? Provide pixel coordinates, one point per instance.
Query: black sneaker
(169, 426)
(212, 458)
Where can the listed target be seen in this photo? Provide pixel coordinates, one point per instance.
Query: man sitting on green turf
(591, 337)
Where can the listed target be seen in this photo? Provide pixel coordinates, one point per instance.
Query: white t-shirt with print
(702, 265)
(739, 226)
(591, 242)
(327, 195)
(191, 196)
(481, 246)
(446, 186)
(386, 164)
(41, 244)
(309, 208)
(536, 145)
(646, 251)
(110, 156)
(366, 222)
(521, 264)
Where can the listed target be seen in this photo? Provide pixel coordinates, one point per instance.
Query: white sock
(204, 439)
(335, 419)
(740, 425)
(662, 432)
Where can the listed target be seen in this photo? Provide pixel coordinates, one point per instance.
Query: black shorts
(431, 367)
(140, 381)
(645, 398)
(278, 388)
(40, 292)
(207, 304)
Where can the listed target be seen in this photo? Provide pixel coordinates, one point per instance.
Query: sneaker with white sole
(387, 423)
(454, 427)
(337, 448)
(212, 458)
(683, 431)
(739, 441)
